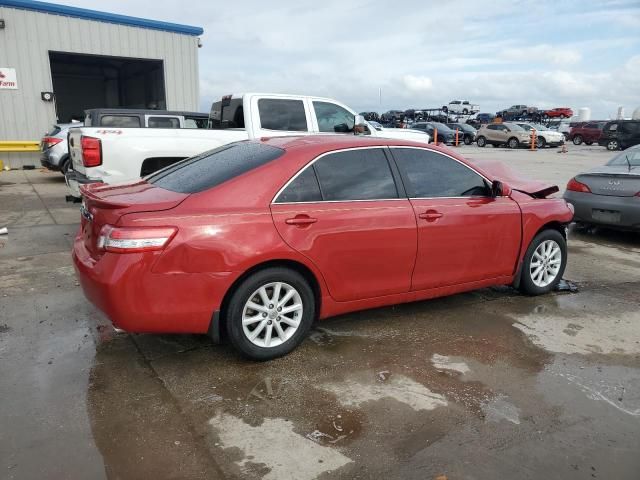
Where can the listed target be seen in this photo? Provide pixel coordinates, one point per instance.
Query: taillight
(576, 186)
(49, 142)
(134, 239)
(91, 151)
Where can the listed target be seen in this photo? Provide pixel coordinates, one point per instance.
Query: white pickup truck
(114, 155)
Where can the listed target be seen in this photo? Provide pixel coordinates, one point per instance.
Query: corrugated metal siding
(29, 36)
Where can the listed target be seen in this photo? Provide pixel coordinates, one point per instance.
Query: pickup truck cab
(122, 154)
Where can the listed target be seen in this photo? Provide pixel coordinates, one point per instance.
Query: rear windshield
(54, 131)
(214, 167)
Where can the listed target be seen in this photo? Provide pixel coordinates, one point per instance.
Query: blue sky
(419, 53)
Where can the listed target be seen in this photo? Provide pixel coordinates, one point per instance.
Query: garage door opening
(95, 81)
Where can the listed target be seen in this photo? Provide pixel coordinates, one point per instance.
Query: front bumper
(137, 300)
(617, 212)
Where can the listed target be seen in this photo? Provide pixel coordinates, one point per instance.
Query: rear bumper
(585, 204)
(137, 300)
(74, 179)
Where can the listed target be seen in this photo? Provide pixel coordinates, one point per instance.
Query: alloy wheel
(272, 314)
(545, 263)
(612, 145)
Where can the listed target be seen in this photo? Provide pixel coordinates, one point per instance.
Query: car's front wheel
(270, 313)
(468, 140)
(612, 145)
(513, 142)
(544, 263)
(577, 140)
(541, 142)
(481, 141)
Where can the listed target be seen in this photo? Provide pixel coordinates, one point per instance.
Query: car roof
(335, 142)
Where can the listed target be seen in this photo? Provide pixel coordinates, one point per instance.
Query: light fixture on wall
(199, 43)
(46, 96)
(1, 23)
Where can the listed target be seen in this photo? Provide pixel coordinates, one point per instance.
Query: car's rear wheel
(481, 141)
(468, 140)
(64, 166)
(544, 263)
(513, 142)
(577, 140)
(270, 313)
(541, 142)
(612, 145)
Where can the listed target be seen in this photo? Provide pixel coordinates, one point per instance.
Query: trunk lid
(75, 150)
(106, 204)
(614, 180)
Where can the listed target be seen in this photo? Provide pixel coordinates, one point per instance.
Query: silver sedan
(608, 195)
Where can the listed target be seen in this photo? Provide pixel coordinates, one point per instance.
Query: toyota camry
(256, 240)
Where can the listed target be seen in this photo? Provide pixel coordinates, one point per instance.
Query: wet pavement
(483, 385)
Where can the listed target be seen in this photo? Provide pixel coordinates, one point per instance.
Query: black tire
(541, 142)
(613, 145)
(481, 141)
(577, 140)
(513, 143)
(467, 140)
(240, 297)
(445, 109)
(64, 166)
(465, 112)
(588, 143)
(527, 284)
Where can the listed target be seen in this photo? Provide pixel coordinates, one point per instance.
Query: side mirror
(359, 125)
(499, 189)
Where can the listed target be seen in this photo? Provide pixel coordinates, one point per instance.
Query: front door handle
(300, 220)
(430, 215)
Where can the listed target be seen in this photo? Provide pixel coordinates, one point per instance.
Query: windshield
(630, 158)
(441, 127)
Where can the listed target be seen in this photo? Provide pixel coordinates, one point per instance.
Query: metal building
(56, 61)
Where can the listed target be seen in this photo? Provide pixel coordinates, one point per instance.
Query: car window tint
(303, 188)
(163, 122)
(123, 121)
(214, 167)
(362, 174)
(333, 118)
(630, 127)
(492, 127)
(281, 114)
(431, 174)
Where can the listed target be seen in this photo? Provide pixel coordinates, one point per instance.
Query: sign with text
(8, 78)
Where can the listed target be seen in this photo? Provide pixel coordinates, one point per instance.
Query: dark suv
(588, 132)
(620, 134)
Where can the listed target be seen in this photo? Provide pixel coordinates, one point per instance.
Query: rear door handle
(300, 220)
(430, 215)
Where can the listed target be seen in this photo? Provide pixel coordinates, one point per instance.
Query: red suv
(588, 132)
(560, 112)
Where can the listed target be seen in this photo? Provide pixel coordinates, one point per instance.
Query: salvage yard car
(587, 132)
(496, 134)
(118, 154)
(620, 134)
(608, 195)
(463, 107)
(544, 136)
(257, 239)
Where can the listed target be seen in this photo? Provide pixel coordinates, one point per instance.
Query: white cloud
(417, 83)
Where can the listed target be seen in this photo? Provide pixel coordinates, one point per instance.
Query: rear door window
(214, 167)
(429, 174)
(121, 121)
(362, 174)
(282, 114)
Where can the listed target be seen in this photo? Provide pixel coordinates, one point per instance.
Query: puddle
(354, 392)
(499, 408)
(588, 334)
(274, 444)
(443, 362)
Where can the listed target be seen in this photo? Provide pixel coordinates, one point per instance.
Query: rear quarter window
(214, 167)
(122, 121)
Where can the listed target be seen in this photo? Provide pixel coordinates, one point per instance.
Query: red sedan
(260, 238)
(560, 112)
